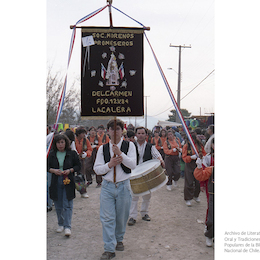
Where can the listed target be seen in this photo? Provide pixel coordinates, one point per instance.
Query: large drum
(147, 177)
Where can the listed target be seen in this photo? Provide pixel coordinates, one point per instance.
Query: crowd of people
(79, 155)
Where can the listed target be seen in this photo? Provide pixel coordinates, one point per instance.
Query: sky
(177, 22)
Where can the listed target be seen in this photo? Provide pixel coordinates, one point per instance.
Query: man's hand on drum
(115, 161)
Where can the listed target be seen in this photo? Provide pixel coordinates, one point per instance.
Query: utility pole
(179, 79)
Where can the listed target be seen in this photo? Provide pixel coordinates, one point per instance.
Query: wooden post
(110, 12)
(115, 143)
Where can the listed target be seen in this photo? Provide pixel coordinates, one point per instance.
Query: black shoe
(120, 246)
(49, 209)
(146, 217)
(107, 255)
(131, 222)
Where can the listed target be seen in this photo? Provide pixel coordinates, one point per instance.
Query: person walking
(156, 140)
(84, 150)
(114, 162)
(205, 172)
(95, 142)
(163, 138)
(172, 147)
(145, 152)
(62, 162)
(102, 135)
(191, 185)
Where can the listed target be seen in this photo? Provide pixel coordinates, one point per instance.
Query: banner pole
(115, 143)
(110, 13)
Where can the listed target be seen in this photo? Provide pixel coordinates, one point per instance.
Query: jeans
(115, 202)
(49, 200)
(63, 206)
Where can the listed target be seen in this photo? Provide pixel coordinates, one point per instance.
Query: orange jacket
(156, 142)
(79, 146)
(107, 139)
(203, 175)
(163, 139)
(174, 144)
(187, 158)
(92, 141)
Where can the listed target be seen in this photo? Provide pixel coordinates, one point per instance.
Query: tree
(184, 112)
(71, 106)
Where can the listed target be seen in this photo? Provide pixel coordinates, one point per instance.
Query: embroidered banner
(111, 72)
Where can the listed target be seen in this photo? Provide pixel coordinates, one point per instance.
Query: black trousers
(191, 185)
(89, 168)
(210, 222)
(173, 168)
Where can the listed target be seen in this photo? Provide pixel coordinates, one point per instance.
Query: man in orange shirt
(84, 150)
(172, 147)
(95, 142)
(102, 135)
(157, 141)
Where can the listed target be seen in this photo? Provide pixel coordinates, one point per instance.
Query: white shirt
(206, 160)
(129, 160)
(73, 147)
(141, 149)
(207, 146)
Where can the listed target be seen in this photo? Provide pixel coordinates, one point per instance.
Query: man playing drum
(145, 151)
(115, 197)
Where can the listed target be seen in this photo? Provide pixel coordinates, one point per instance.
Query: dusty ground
(174, 232)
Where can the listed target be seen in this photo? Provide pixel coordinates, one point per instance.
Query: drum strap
(124, 148)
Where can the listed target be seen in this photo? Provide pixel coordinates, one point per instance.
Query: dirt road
(175, 231)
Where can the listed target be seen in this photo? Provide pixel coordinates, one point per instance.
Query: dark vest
(147, 153)
(124, 148)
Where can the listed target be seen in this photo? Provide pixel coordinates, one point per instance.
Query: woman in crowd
(163, 139)
(191, 185)
(156, 140)
(171, 148)
(62, 162)
(70, 134)
(95, 142)
(205, 173)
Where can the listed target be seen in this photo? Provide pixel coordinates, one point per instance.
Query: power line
(198, 84)
(186, 94)
(184, 19)
(163, 111)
